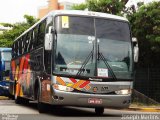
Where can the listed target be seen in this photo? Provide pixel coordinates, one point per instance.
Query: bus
(75, 58)
(5, 59)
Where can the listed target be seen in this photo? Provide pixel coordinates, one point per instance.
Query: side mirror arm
(135, 49)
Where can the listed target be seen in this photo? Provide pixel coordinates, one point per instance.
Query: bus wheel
(40, 105)
(17, 100)
(99, 110)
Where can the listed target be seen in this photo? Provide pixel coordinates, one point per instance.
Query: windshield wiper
(101, 57)
(85, 62)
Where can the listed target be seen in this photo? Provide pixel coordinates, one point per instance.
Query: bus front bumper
(90, 100)
(4, 90)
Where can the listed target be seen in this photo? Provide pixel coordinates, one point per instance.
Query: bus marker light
(123, 92)
(62, 88)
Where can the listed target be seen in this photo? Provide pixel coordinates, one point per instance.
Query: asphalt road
(11, 111)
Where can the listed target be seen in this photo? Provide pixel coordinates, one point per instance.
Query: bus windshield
(6, 56)
(85, 44)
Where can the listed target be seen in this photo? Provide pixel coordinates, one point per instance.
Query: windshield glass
(6, 56)
(82, 40)
(114, 44)
(73, 45)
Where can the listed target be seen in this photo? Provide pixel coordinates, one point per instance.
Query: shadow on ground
(69, 111)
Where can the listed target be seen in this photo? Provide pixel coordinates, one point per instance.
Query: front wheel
(18, 100)
(99, 110)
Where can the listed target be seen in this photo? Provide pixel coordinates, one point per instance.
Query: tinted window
(75, 25)
(16, 48)
(113, 30)
(30, 40)
(41, 33)
(20, 46)
(35, 36)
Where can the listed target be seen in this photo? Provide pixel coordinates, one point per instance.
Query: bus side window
(35, 36)
(47, 54)
(13, 50)
(23, 43)
(16, 49)
(32, 40)
(29, 41)
(20, 46)
(41, 33)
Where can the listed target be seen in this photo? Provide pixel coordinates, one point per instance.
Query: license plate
(94, 101)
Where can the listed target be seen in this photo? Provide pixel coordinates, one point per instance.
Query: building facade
(54, 5)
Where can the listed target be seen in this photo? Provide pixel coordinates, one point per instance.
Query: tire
(11, 97)
(40, 105)
(17, 100)
(99, 110)
(25, 101)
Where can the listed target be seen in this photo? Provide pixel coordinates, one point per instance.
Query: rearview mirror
(135, 49)
(48, 39)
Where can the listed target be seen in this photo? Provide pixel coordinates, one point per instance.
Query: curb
(3, 98)
(145, 109)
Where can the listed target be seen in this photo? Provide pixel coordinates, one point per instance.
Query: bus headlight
(123, 92)
(62, 88)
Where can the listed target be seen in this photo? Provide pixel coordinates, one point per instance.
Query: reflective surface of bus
(76, 58)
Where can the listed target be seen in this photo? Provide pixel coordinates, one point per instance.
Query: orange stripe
(17, 89)
(13, 64)
(60, 81)
(28, 76)
(76, 85)
(84, 84)
(16, 75)
(87, 87)
(21, 68)
(21, 64)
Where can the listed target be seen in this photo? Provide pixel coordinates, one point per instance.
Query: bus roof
(87, 13)
(5, 49)
(76, 12)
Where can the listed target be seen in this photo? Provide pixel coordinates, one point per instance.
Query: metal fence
(148, 82)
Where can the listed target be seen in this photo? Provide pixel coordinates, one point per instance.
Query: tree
(7, 38)
(82, 6)
(107, 6)
(145, 24)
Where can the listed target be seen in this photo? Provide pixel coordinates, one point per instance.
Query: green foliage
(79, 7)
(7, 38)
(146, 27)
(107, 6)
